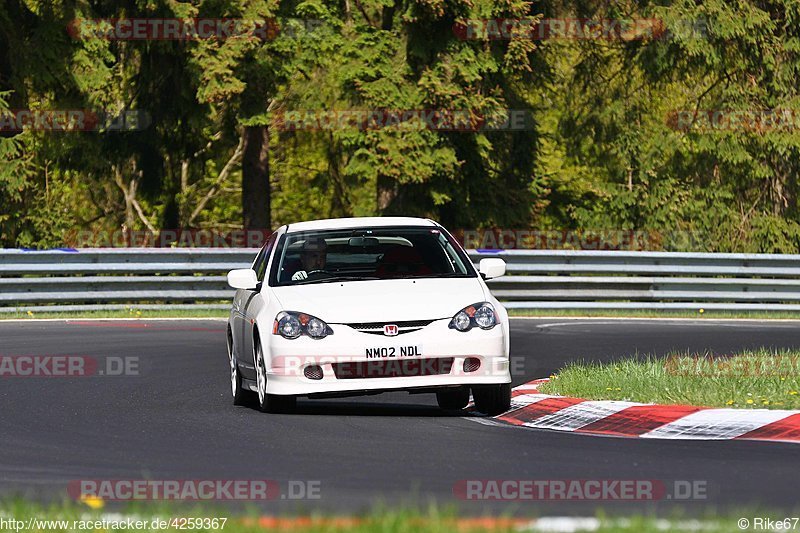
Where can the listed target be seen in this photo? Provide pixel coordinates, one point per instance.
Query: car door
(238, 321)
(252, 301)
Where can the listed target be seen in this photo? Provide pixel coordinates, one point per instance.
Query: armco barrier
(117, 278)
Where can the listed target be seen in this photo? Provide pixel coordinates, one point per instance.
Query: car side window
(259, 262)
(260, 265)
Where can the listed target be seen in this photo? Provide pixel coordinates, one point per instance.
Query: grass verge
(20, 515)
(765, 379)
(655, 313)
(132, 313)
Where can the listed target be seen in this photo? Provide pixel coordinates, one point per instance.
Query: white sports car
(355, 306)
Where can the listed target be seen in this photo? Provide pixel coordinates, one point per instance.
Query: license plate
(381, 352)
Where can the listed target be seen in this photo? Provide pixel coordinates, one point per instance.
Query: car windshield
(366, 254)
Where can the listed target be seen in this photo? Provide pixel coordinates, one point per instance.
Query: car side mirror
(243, 278)
(492, 267)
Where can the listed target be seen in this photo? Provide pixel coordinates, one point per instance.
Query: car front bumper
(439, 354)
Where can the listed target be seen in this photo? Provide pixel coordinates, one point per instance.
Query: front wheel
(269, 403)
(453, 399)
(241, 396)
(492, 399)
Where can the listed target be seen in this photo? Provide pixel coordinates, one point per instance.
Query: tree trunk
(387, 193)
(255, 179)
(340, 203)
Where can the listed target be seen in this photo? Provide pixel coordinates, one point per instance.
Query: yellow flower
(617, 388)
(729, 402)
(749, 400)
(609, 388)
(30, 313)
(793, 392)
(765, 402)
(702, 311)
(92, 501)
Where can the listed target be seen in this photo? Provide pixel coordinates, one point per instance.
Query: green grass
(655, 313)
(431, 520)
(755, 379)
(132, 312)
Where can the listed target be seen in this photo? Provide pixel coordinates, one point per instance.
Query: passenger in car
(402, 261)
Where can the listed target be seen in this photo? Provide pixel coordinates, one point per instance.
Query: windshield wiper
(449, 275)
(309, 281)
(348, 278)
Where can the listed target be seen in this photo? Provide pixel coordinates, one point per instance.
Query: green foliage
(32, 215)
(757, 379)
(602, 150)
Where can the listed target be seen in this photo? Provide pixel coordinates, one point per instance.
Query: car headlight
(480, 314)
(291, 324)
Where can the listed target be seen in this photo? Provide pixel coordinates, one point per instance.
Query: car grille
(376, 328)
(393, 368)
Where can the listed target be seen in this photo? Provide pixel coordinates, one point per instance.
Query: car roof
(358, 222)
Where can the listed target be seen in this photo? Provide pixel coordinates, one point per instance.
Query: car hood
(382, 300)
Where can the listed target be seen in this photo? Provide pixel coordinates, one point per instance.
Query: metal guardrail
(147, 278)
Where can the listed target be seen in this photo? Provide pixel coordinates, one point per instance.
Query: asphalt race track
(175, 420)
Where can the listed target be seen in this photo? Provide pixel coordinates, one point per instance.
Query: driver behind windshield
(313, 258)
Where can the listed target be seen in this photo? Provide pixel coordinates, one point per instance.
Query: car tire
(453, 399)
(269, 403)
(241, 396)
(492, 399)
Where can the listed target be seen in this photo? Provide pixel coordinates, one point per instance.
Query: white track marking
(579, 415)
(518, 402)
(717, 424)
